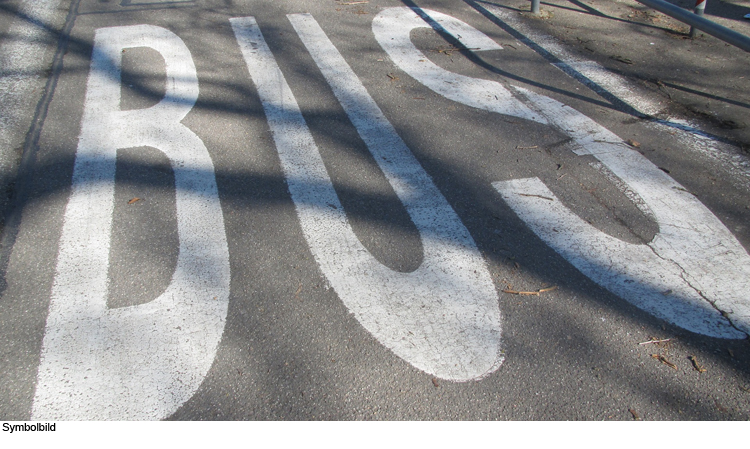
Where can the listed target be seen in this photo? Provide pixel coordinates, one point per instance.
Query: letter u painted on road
(442, 318)
(144, 361)
(694, 273)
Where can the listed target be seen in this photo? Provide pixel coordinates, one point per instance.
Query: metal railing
(695, 20)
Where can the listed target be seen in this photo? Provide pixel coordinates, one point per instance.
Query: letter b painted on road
(144, 361)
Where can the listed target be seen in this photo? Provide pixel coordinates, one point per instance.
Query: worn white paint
(444, 317)
(594, 76)
(583, 70)
(144, 361)
(694, 273)
(392, 28)
(694, 257)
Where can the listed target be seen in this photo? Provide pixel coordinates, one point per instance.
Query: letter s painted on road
(694, 273)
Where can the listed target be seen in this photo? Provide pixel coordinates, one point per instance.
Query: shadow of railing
(246, 189)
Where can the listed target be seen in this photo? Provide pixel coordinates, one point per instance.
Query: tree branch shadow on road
(263, 335)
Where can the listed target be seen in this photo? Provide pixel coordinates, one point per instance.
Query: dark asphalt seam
(31, 145)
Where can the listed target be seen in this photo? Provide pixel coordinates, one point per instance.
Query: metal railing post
(700, 8)
(701, 23)
(535, 6)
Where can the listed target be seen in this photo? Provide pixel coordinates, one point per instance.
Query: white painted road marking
(392, 27)
(694, 257)
(691, 274)
(597, 78)
(444, 317)
(144, 361)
